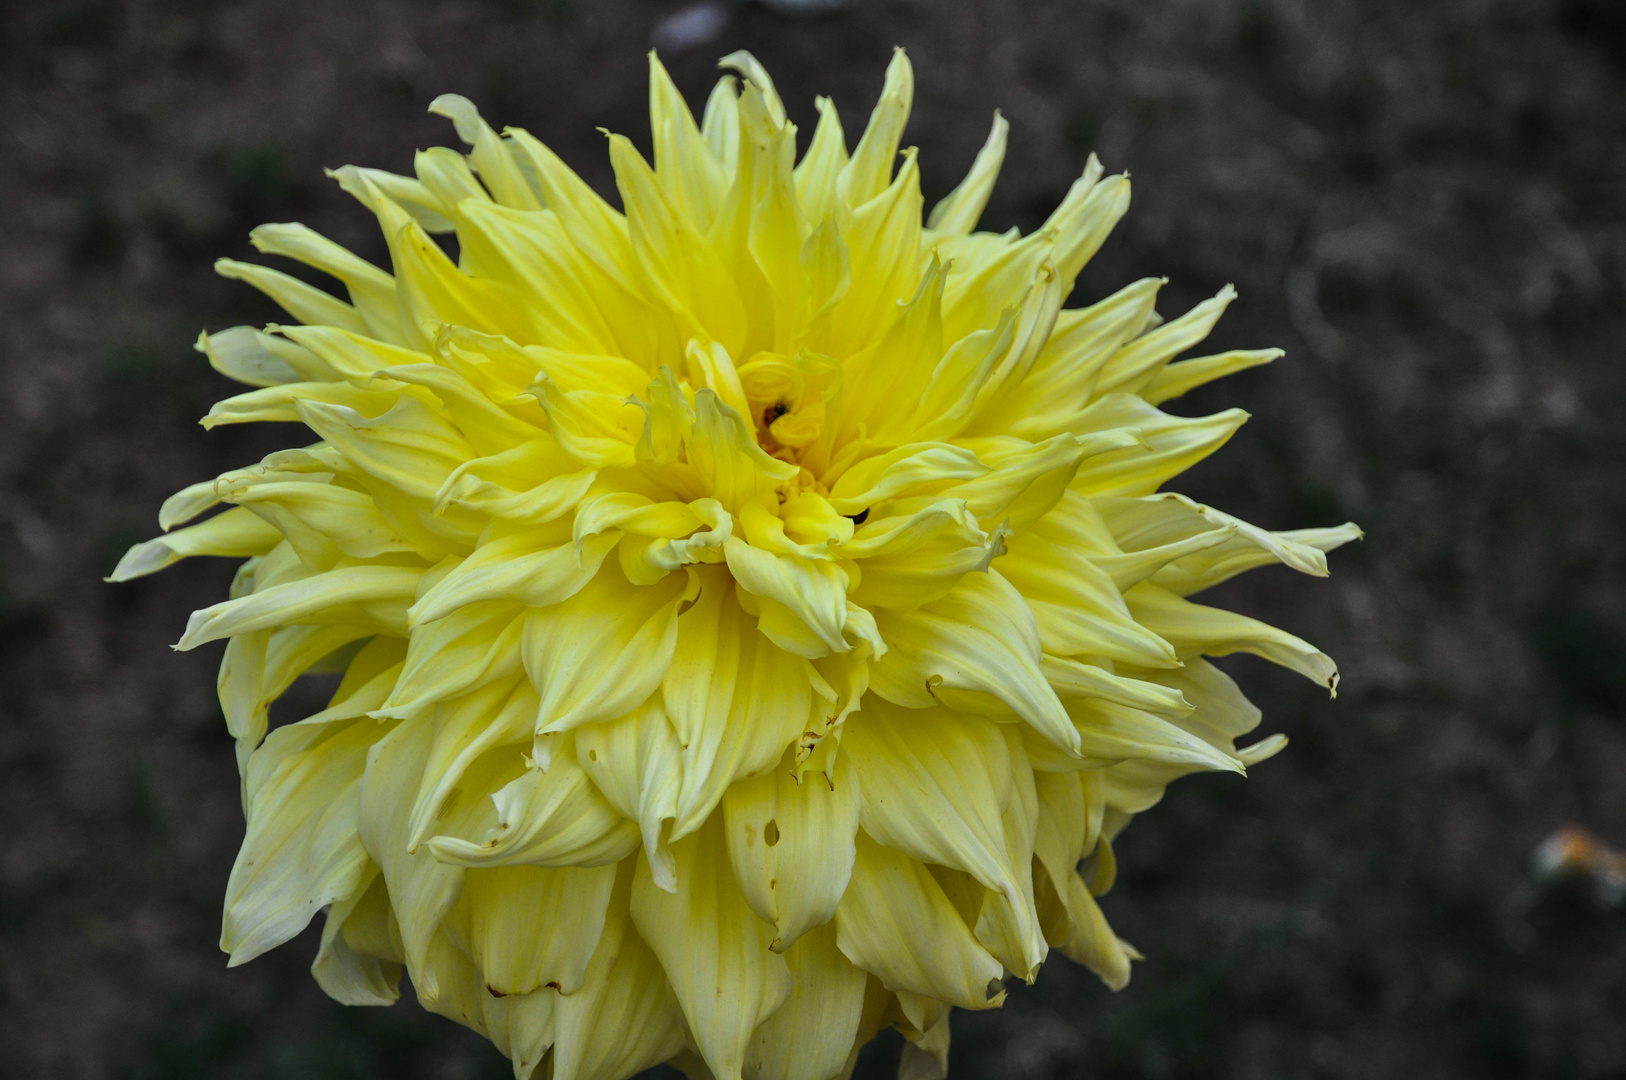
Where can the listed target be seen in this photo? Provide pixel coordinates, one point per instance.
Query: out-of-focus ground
(1424, 203)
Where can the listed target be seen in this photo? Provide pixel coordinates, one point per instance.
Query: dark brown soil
(1423, 202)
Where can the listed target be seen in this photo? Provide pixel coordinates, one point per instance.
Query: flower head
(752, 607)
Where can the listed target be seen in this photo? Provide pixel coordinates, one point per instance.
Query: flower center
(787, 395)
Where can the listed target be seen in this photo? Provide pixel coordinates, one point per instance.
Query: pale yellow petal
(543, 817)
(1194, 630)
(534, 926)
(637, 762)
(714, 950)
(599, 654)
(624, 1019)
(356, 964)
(377, 594)
(235, 534)
(791, 845)
(977, 647)
(302, 851)
(895, 922)
(959, 210)
(810, 1035)
(736, 700)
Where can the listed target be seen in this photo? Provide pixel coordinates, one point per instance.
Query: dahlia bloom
(753, 607)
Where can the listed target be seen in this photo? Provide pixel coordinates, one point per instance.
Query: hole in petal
(770, 833)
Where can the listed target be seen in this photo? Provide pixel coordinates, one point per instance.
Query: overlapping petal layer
(753, 605)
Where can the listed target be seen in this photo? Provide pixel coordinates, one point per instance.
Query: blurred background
(1423, 203)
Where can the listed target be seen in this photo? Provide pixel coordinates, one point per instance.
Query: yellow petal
(867, 174)
(908, 470)
(531, 252)
(810, 1035)
(883, 248)
(1064, 372)
(637, 763)
(826, 157)
(714, 950)
(346, 972)
(521, 1027)
(919, 559)
(1179, 379)
(466, 727)
(602, 652)
(301, 851)
(380, 593)
(1073, 679)
(1172, 445)
(936, 785)
(236, 533)
(736, 700)
(791, 846)
(410, 447)
(1077, 607)
(465, 650)
(1008, 927)
(324, 522)
(552, 817)
(691, 177)
(895, 922)
(979, 639)
(304, 302)
(624, 1019)
(960, 208)
(493, 160)
(1138, 362)
(1113, 732)
(533, 926)
(259, 666)
(674, 263)
(410, 194)
(372, 291)
(925, 1054)
(422, 888)
(259, 359)
(529, 568)
(810, 597)
(1197, 630)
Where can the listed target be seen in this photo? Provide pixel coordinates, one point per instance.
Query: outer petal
(938, 785)
(810, 1035)
(791, 845)
(1195, 629)
(714, 950)
(302, 851)
(532, 926)
(895, 922)
(378, 592)
(552, 817)
(357, 963)
(637, 763)
(236, 533)
(624, 1019)
(422, 889)
(979, 639)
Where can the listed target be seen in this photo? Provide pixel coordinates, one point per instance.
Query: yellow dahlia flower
(752, 606)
